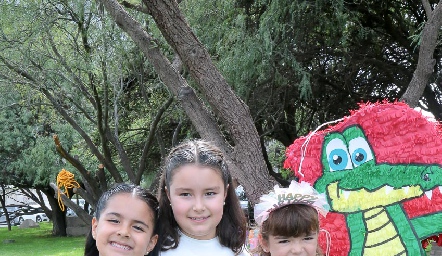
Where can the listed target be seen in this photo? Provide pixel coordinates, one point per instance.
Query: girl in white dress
(200, 213)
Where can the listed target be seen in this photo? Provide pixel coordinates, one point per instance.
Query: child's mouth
(199, 218)
(121, 246)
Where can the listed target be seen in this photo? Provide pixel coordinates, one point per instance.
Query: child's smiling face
(197, 195)
(125, 227)
(291, 246)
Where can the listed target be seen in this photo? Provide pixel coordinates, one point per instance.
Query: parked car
(13, 211)
(242, 198)
(80, 202)
(31, 212)
(244, 202)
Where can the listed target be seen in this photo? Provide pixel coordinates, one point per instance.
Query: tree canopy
(121, 82)
(315, 60)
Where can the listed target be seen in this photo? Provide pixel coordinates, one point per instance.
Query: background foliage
(67, 69)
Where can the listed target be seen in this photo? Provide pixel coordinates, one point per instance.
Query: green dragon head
(353, 181)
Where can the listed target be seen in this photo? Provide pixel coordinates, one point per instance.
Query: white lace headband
(296, 193)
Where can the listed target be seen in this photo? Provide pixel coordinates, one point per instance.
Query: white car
(243, 201)
(12, 210)
(30, 212)
(80, 202)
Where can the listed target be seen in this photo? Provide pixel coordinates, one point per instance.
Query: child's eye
(309, 238)
(113, 220)
(210, 193)
(283, 241)
(185, 194)
(138, 228)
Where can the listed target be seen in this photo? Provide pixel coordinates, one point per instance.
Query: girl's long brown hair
(231, 230)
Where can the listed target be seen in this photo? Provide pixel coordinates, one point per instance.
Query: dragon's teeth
(440, 189)
(388, 189)
(346, 193)
(429, 194)
(406, 188)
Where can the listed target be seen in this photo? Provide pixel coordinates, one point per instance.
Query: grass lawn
(39, 242)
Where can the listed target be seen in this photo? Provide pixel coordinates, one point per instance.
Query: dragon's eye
(360, 151)
(337, 155)
(338, 159)
(358, 155)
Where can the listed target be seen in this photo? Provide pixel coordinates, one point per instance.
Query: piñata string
(307, 140)
(328, 239)
(65, 179)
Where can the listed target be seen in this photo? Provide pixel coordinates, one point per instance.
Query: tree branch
(167, 72)
(84, 173)
(233, 112)
(150, 138)
(81, 213)
(78, 83)
(247, 158)
(427, 8)
(426, 62)
(114, 172)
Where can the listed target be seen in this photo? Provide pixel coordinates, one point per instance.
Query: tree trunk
(58, 217)
(426, 62)
(250, 168)
(3, 206)
(245, 158)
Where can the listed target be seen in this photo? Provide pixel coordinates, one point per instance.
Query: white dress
(193, 247)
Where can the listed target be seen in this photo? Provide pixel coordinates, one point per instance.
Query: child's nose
(199, 205)
(295, 248)
(123, 231)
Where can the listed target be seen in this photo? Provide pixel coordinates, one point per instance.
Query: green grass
(39, 242)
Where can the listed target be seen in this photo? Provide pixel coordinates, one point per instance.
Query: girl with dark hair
(125, 223)
(288, 221)
(200, 212)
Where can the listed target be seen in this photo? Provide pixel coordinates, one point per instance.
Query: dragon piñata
(380, 168)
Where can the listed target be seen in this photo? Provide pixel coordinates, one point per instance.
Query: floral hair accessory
(296, 193)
